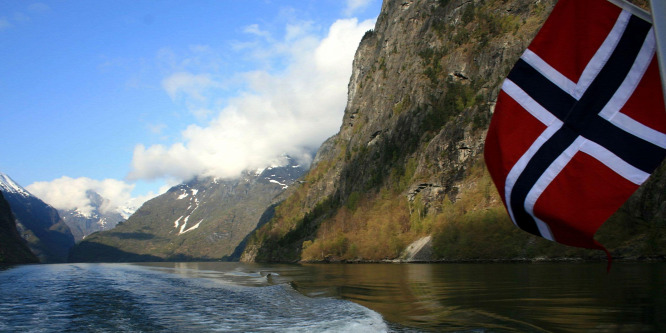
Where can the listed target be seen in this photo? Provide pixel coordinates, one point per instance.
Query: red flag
(579, 123)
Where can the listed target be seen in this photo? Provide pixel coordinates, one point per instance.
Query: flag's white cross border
(611, 112)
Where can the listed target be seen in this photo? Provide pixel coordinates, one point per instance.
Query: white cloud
(194, 79)
(255, 30)
(156, 128)
(354, 5)
(70, 193)
(188, 84)
(296, 31)
(292, 111)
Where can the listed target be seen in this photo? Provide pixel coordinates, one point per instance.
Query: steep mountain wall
(407, 161)
(13, 248)
(38, 223)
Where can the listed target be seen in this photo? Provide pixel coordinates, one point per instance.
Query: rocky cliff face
(420, 97)
(407, 161)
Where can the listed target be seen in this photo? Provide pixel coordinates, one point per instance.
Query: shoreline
(639, 259)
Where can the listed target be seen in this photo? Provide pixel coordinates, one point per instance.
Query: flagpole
(633, 9)
(658, 20)
(659, 23)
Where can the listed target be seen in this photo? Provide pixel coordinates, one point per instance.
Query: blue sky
(129, 97)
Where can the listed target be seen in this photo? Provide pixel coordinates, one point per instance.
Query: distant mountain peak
(84, 221)
(37, 222)
(10, 186)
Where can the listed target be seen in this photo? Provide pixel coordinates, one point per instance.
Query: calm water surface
(227, 297)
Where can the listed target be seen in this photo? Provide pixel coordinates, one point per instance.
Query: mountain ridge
(201, 219)
(47, 235)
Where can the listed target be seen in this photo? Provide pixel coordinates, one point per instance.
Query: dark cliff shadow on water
(95, 252)
(5, 266)
(132, 235)
(91, 252)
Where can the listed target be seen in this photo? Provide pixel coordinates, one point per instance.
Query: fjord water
(227, 297)
(132, 298)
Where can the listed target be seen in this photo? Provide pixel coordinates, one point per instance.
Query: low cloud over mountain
(291, 111)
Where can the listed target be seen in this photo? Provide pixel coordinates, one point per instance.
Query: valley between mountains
(406, 168)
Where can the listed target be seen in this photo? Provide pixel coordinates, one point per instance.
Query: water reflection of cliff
(515, 297)
(572, 297)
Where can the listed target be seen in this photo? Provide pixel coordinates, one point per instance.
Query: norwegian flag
(579, 123)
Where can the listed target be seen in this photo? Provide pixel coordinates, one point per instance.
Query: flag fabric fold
(579, 123)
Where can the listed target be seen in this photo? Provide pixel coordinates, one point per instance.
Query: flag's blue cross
(580, 117)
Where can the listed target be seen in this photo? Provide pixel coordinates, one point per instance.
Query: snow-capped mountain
(281, 175)
(203, 219)
(83, 223)
(8, 185)
(37, 222)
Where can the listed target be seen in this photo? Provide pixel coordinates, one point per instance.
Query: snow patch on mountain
(176, 223)
(284, 186)
(9, 185)
(77, 212)
(127, 210)
(84, 221)
(194, 204)
(190, 229)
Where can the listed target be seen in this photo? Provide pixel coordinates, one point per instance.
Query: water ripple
(112, 298)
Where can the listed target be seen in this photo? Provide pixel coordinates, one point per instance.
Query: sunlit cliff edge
(407, 162)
